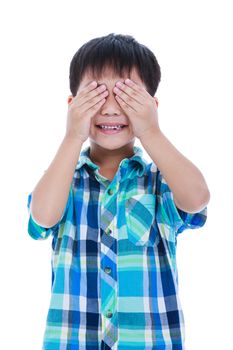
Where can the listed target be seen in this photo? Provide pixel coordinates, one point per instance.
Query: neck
(110, 158)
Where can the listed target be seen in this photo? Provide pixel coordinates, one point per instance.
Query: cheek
(130, 125)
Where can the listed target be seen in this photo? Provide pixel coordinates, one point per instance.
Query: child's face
(111, 112)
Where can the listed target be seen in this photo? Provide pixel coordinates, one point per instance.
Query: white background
(192, 41)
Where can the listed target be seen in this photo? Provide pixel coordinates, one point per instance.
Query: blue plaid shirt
(114, 272)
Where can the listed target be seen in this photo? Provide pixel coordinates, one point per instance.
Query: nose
(111, 106)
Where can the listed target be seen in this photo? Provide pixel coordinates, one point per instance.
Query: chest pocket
(140, 219)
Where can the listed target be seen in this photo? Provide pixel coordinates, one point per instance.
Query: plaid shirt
(114, 273)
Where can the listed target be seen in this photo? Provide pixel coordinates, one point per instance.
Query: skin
(107, 151)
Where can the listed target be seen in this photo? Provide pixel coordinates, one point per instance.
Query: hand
(82, 108)
(139, 106)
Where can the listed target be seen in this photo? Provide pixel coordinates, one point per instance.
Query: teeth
(111, 127)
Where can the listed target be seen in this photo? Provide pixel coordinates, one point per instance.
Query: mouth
(111, 128)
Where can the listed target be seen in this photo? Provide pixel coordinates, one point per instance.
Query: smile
(113, 129)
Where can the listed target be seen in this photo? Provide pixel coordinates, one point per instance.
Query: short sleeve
(39, 232)
(170, 214)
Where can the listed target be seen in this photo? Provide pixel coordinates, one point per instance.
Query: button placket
(108, 275)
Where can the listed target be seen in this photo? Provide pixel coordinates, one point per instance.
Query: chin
(112, 144)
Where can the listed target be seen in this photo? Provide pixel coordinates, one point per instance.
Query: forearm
(50, 195)
(185, 180)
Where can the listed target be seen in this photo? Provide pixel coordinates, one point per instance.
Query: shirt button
(108, 270)
(108, 231)
(109, 314)
(110, 191)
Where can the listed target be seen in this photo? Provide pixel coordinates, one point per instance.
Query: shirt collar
(137, 159)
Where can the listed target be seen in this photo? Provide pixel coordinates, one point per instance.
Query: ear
(156, 100)
(70, 98)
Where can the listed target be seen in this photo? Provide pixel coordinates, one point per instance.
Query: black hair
(119, 52)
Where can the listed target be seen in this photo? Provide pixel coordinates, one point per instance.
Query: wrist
(73, 139)
(150, 133)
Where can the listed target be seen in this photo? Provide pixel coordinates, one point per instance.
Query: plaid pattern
(114, 273)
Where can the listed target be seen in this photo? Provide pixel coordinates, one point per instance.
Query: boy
(114, 218)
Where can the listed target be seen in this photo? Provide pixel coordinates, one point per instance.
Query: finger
(92, 94)
(127, 99)
(95, 100)
(124, 105)
(87, 95)
(123, 91)
(84, 90)
(96, 107)
(140, 89)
